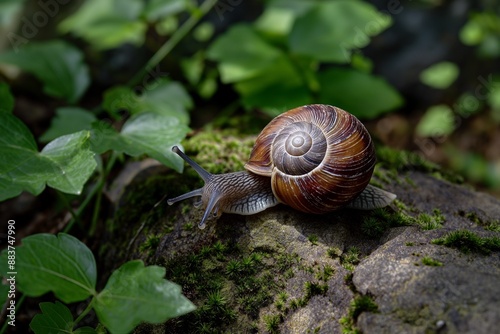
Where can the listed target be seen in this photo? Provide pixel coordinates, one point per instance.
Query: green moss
(313, 239)
(489, 225)
(150, 244)
(334, 252)
(409, 244)
(430, 222)
(469, 242)
(398, 161)
(350, 258)
(326, 273)
(219, 151)
(228, 286)
(431, 262)
(313, 289)
(358, 305)
(273, 322)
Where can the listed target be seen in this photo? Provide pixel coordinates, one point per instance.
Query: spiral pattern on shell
(319, 157)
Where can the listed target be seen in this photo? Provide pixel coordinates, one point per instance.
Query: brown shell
(319, 157)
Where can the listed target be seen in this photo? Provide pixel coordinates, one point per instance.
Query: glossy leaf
(62, 264)
(107, 24)
(65, 163)
(68, 120)
(362, 94)
(57, 64)
(135, 293)
(56, 318)
(145, 133)
(330, 30)
(6, 98)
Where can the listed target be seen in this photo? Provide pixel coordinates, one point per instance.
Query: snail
(315, 158)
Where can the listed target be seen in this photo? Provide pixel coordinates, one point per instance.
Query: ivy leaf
(162, 97)
(134, 294)
(6, 98)
(330, 30)
(68, 120)
(62, 264)
(57, 64)
(56, 318)
(362, 94)
(107, 24)
(65, 163)
(144, 133)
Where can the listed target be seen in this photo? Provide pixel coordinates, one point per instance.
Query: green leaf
(437, 121)
(6, 98)
(280, 87)
(362, 94)
(135, 294)
(57, 64)
(440, 75)
(62, 264)
(65, 163)
(168, 98)
(68, 120)
(330, 30)
(107, 24)
(145, 133)
(252, 56)
(56, 318)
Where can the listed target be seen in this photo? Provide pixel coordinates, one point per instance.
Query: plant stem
(165, 49)
(84, 313)
(96, 189)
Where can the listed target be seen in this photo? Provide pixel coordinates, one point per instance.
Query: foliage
(72, 275)
(276, 64)
(281, 61)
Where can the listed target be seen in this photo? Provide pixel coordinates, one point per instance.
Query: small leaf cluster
(72, 276)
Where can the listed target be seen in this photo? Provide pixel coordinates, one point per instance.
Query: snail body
(314, 158)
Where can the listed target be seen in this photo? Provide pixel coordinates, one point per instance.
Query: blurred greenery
(84, 84)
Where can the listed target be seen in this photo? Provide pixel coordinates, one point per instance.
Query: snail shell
(315, 158)
(318, 157)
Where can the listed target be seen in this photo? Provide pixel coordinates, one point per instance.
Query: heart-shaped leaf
(56, 318)
(135, 293)
(62, 264)
(65, 163)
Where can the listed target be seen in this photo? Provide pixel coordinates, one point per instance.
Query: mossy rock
(289, 272)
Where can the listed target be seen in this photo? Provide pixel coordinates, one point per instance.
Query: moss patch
(489, 225)
(398, 161)
(469, 242)
(228, 286)
(358, 305)
(428, 261)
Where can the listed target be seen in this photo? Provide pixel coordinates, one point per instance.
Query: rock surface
(327, 273)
